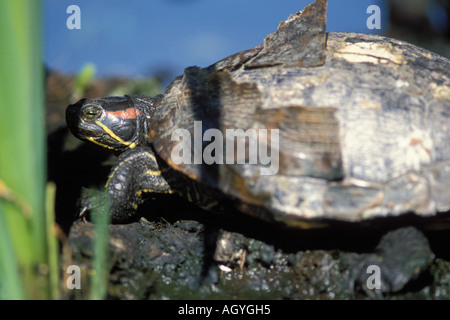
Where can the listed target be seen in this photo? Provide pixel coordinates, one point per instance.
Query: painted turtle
(306, 129)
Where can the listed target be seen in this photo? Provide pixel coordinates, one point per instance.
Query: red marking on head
(129, 113)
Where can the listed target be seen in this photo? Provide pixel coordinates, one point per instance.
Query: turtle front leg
(137, 172)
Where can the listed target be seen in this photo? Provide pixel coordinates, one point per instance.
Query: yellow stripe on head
(100, 144)
(131, 145)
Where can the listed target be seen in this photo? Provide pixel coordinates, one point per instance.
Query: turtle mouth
(95, 135)
(87, 135)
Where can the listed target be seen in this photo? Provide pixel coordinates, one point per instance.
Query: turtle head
(113, 122)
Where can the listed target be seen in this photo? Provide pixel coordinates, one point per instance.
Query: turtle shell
(363, 124)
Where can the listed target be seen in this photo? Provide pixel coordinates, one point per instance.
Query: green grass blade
(52, 242)
(22, 145)
(10, 285)
(99, 280)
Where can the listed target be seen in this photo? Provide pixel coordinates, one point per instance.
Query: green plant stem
(52, 242)
(22, 150)
(99, 280)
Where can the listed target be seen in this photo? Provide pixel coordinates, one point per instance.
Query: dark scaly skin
(121, 125)
(135, 174)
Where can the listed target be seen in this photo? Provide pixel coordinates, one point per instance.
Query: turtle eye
(91, 113)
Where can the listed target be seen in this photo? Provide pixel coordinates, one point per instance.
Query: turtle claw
(82, 214)
(91, 199)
